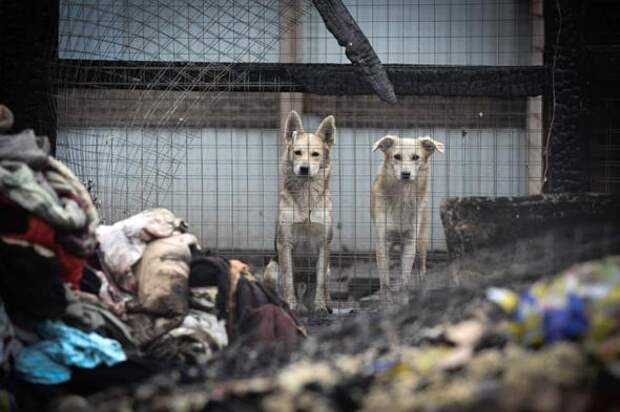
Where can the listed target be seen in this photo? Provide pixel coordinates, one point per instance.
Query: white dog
(304, 225)
(399, 207)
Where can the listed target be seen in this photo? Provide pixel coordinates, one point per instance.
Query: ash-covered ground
(446, 351)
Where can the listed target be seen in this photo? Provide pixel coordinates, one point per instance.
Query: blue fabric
(568, 322)
(48, 361)
(528, 302)
(381, 365)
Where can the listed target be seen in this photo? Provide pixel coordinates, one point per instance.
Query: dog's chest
(398, 212)
(401, 216)
(305, 216)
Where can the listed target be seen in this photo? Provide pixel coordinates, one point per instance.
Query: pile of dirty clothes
(179, 303)
(47, 232)
(86, 306)
(143, 275)
(551, 346)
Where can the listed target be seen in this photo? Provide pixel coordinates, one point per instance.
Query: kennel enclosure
(180, 105)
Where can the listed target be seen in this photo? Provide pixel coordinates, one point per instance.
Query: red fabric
(41, 233)
(269, 325)
(72, 267)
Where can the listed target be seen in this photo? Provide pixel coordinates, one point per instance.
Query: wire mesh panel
(464, 32)
(197, 145)
(178, 30)
(605, 149)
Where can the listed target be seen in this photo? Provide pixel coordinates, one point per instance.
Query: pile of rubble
(552, 346)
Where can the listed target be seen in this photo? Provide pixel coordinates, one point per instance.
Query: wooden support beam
(151, 108)
(291, 51)
(535, 104)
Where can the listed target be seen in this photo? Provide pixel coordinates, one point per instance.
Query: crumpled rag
(48, 361)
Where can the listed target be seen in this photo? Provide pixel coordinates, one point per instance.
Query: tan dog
(304, 225)
(399, 206)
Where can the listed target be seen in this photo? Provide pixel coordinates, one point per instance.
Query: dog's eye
(315, 154)
(397, 156)
(297, 152)
(415, 157)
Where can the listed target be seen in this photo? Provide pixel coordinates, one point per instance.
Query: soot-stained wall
(27, 51)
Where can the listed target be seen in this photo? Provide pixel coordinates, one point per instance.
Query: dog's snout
(405, 175)
(304, 170)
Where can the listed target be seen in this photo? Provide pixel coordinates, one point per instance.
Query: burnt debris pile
(546, 347)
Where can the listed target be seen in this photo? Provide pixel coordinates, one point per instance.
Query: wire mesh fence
(212, 155)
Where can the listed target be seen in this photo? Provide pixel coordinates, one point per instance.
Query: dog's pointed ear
(384, 143)
(431, 145)
(327, 130)
(293, 124)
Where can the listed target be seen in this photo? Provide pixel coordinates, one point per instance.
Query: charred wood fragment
(358, 49)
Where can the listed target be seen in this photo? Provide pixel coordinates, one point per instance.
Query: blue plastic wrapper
(48, 361)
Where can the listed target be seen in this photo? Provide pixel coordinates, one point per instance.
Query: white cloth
(123, 243)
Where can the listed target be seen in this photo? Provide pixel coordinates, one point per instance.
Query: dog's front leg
(407, 260)
(422, 244)
(321, 296)
(383, 265)
(285, 256)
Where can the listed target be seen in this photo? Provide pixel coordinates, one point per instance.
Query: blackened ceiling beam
(321, 79)
(357, 48)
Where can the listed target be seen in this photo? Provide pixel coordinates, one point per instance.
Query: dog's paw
(294, 306)
(291, 301)
(417, 282)
(386, 297)
(403, 298)
(321, 308)
(302, 309)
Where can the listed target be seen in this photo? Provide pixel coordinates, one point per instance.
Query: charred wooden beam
(321, 79)
(567, 146)
(358, 49)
